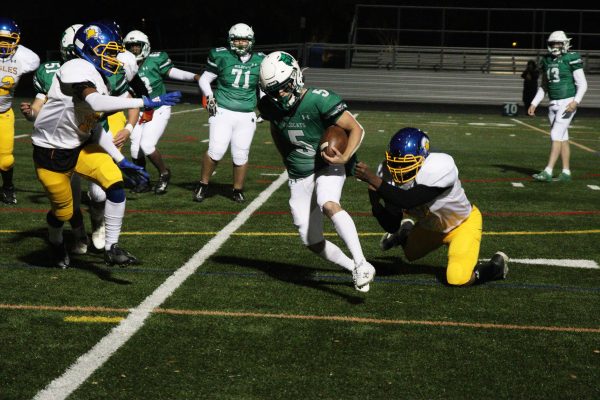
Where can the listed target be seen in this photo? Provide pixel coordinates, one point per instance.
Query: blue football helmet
(10, 35)
(407, 151)
(111, 23)
(99, 44)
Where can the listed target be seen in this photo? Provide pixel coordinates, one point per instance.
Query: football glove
(146, 115)
(167, 99)
(133, 175)
(211, 106)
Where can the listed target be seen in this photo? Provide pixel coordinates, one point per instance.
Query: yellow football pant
(463, 247)
(116, 122)
(7, 139)
(92, 164)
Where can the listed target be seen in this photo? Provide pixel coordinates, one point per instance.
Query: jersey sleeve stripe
(337, 109)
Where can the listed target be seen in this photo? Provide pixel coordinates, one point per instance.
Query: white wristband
(129, 127)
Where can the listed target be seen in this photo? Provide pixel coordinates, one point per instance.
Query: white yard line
(548, 133)
(588, 264)
(517, 184)
(84, 366)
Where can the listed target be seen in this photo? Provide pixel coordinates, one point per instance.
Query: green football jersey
(300, 129)
(118, 83)
(152, 71)
(237, 81)
(558, 73)
(42, 79)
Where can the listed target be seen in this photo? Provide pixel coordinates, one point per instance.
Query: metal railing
(331, 55)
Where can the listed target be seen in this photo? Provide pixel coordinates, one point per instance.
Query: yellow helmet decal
(91, 32)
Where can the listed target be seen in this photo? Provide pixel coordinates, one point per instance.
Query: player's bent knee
(215, 156)
(116, 193)
(330, 208)
(64, 214)
(239, 158)
(6, 162)
(148, 148)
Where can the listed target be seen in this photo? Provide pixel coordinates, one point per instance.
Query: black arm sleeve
(389, 219)
(413, 197)
(138, 87)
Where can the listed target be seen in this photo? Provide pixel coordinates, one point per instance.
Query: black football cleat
(499, 261)
(119, 256)
(200, 192)
(163, 182)
(60, 256)
(238, 196)
(8, 195)
(494, 269)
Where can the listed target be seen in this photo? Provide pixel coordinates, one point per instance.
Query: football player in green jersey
(153, 68)
(231, 108)
(564, 81)
(298, 118)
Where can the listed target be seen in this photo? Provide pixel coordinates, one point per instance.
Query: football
(333, 136)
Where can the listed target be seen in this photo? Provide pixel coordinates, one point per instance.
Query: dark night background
(187, 23)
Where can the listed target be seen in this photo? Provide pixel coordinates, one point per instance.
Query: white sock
(96, 192)
(113, 219)
(55, 235)
(344, 226)
(334, 254)
(548, 170)
(566, 171)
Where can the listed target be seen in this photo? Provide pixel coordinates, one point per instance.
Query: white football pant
(307, 197)
(145, 136)
(559, 120)
(232, 127)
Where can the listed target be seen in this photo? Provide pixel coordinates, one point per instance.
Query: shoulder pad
(78, 70)
(155, 54)
(30, 60)
(221, 49)
(438, 170)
